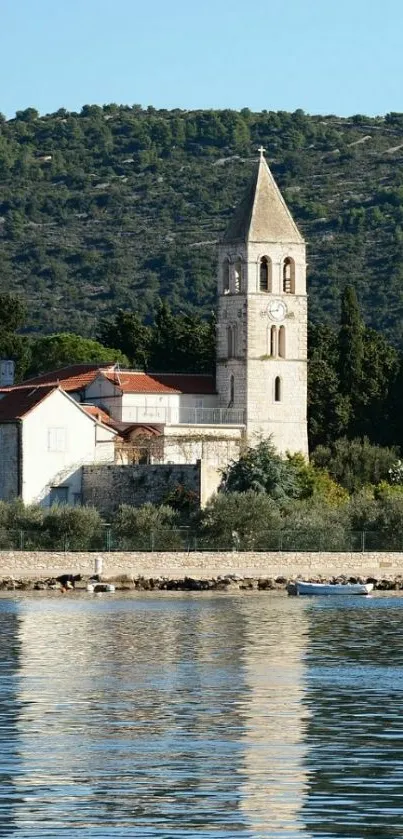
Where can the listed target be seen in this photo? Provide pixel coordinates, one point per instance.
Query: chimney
(6, 373)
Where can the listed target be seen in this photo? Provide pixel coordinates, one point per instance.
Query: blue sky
(325, 56)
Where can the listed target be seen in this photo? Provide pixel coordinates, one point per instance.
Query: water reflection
(175, 716)
(9, 710)
(181, 716)
(274, 717)
(355, 732)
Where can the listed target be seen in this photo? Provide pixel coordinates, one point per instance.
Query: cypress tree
(351, 346)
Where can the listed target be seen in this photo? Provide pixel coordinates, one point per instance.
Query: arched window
(230, 352)
(238, 276)
(277, 389)
(225, 276)
(265, 274)
(273, 341)
(289, 276)
(231, 390)
(281, 342)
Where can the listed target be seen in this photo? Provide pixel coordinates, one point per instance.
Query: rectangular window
(57, 439)
(59, 495)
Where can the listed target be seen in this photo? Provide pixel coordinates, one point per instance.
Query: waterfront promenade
(202, 565)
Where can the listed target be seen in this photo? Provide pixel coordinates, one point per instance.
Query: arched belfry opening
(225, 276)
(238, 276)
(277, 389)
(289, 276)
(265, 274)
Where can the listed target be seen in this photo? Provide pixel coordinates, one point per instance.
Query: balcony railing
(212, 416)
(184, 416)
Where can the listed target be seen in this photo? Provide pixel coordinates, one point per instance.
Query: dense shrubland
(118, 206)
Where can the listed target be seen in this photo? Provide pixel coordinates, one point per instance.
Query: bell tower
(262, 317)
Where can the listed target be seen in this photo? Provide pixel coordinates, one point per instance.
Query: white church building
(260, 387)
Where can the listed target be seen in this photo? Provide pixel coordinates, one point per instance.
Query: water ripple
(250, 717)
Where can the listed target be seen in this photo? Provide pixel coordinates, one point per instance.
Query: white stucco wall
(215, 445)
(57, 423)
(149, 408)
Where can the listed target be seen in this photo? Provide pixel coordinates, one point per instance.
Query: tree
(262, 470)
(351, 346)
(241, 520)
(13, 346)
(126, 332)
(54, 351)
(355, 463)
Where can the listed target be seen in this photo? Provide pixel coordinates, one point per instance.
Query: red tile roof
(97, 413)
(17, 403)
(71, 378)
(134, 382)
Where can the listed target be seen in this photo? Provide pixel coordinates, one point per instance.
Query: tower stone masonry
(262, 317)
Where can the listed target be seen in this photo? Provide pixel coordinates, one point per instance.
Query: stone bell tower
(262, 318)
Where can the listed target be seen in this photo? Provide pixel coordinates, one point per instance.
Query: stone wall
(39, 565)
(107, 486)
(9, 461)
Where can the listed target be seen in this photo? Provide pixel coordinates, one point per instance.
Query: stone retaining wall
(39, 565)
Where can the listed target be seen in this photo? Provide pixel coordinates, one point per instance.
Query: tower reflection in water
(161, 716)
(274, 717)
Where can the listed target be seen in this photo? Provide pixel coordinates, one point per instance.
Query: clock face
(277, 309)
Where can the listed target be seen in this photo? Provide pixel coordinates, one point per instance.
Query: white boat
(332, 588)
(96, 588)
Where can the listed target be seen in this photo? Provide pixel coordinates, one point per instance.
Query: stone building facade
(262, 317)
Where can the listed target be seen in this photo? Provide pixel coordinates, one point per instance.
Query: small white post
(98, 565)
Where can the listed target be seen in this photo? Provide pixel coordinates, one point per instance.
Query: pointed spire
(263, 215)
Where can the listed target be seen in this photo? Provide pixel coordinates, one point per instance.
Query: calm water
(185, 716)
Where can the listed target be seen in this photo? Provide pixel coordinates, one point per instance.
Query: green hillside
(116, 206)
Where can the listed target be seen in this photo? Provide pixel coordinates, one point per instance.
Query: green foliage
(13, 346)
(351, 347)
(146, 528)
(118, 206)
(316, 483)
(53, 351)
(240, 520)
(174, 343)
(355, 382)
(355, 463)
(73, 528)
(126, 331)
(262, 470)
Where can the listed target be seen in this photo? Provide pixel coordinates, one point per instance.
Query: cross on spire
(261, 151)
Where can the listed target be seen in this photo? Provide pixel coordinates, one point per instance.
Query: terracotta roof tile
(17, 403)
(71, 378)
(97, 413)
(135, 382)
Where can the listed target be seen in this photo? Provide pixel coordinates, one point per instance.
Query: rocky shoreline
(228, 582)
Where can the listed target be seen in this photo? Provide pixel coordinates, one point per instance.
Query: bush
(147, 528)
(240, 520)
(355, 463)
(72, 528)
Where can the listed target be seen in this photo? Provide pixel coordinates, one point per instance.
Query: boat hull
(333, 589)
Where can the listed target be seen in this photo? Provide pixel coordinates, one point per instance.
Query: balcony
(184, 416)
(211, 416)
